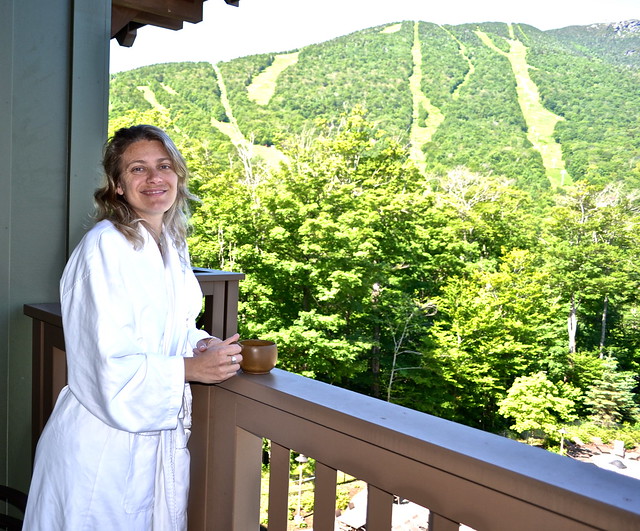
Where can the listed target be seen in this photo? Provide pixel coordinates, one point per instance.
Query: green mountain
(539, 107)
(617, 43)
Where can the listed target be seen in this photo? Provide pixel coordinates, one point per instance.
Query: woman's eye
(165, 166)
(138, 169)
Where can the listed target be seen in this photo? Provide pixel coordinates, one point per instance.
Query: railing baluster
(278, 487)
(324, 507)
(438, 522)
(379, 509)
(246, 495)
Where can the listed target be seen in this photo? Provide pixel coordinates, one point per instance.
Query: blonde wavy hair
(113, 207)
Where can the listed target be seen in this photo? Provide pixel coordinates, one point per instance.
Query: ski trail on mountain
(540, 122)
(263, 86)
(246, 148)
(462, 50)
(150, 98)
(394, 28)
(421, 135)
(230, 128)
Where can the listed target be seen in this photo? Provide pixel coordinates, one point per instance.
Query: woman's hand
(214, 360)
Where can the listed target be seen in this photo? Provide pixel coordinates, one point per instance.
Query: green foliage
(344, 493)
(536, 404)
(577, 72)
(612, 43)
(586, 431)
(490, 327)
(591, 237)
(182, 98)
(309, 246)
(611, 398)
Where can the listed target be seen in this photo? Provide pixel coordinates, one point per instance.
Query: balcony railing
(462, 475)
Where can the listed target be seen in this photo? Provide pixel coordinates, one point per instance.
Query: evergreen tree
(611, 398)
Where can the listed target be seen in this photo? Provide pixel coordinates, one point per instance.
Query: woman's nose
(153, 175)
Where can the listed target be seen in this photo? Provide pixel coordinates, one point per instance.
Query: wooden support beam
(120, 18)
(127, 35)
(161, 22)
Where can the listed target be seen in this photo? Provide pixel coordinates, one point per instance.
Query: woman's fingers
(231, 339)
(218, 362)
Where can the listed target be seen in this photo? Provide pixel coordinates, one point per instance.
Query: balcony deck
(462, 475)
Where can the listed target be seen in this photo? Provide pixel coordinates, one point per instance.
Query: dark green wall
(53, 110)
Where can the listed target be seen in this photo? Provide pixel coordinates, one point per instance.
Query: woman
(113, 454)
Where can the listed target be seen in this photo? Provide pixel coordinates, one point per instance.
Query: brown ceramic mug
(259, 356)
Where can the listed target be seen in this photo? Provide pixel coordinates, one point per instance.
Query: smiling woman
(113, 454)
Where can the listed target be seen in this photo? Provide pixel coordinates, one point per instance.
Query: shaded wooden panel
(144, 19)
(440, 523)
(58, 368)
(120, 17)
(278, 486)
(127, 16)
(247, 474)
(379, 509)
(200, 447)
(221, 293)
(49, 364)
(324, 506)
(212, 448)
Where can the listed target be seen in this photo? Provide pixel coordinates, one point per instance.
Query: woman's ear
(119, 190)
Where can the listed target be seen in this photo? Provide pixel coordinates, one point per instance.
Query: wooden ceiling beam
(183, 10)
(127, 16)
(161, 22)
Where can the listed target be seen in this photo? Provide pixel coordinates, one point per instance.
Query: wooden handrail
(462, 475)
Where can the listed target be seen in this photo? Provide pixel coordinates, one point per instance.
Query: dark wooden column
(49, 369)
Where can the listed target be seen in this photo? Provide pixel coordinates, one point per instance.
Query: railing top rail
(216, 274)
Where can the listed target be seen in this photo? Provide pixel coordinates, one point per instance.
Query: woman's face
(149, 183)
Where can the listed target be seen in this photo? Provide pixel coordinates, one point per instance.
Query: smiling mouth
(154, 192)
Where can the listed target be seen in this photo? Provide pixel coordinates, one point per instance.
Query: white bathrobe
(113, 454)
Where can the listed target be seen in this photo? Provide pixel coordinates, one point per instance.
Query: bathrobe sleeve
(119, 318)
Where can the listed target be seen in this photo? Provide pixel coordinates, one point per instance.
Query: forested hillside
(441, 216)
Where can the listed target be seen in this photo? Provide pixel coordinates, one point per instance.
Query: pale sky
(265, 26)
